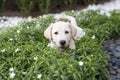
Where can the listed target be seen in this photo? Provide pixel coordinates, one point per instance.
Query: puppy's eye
(56, 33)
(66, 32)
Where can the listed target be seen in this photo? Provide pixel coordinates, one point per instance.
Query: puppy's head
(60, 33)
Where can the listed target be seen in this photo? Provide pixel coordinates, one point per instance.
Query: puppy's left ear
(73, 30)
(48, 32)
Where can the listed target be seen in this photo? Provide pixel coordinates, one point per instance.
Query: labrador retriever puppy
(63, 34)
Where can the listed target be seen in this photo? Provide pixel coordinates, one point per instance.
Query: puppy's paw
(72, 45)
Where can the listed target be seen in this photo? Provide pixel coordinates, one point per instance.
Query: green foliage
(44, 5)
(25, 6)
(2, 4)
(93, 1)
(90, 1)
(24, 49)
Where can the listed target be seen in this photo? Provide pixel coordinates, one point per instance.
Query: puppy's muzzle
(62, 42)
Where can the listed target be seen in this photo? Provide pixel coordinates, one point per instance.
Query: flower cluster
(11, 74)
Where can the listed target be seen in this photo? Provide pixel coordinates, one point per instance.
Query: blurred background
(38, 7)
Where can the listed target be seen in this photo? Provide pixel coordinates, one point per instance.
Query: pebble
(112, 49)
(118, 48)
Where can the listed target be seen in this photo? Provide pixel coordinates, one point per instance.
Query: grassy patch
(24, 49)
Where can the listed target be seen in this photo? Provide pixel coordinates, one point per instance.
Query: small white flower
(93, 37)
(28, 27)
(35, 58)
(18, 31)
(11, 39)
(17, 50)
(3, 50)
(39, 76)
(81, 63)
(71, 65)
(92, 55)
(24, 73)
(11, 69)
(12, 75)
(73, 11)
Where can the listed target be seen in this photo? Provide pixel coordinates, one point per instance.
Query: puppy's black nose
(62, 42)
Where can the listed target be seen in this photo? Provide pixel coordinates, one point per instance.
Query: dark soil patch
(38, 13)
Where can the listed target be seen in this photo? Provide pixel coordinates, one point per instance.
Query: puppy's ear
(48, 32)
(73, 30)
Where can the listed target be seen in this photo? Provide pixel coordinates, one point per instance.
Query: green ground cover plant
(24, 53)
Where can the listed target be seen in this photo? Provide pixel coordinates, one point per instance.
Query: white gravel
(104, 8)
(12, 21)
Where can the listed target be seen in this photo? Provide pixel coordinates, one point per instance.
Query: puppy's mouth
(61, 49)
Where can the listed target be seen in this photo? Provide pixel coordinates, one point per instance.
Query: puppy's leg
(51, 44)
(72, 45)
